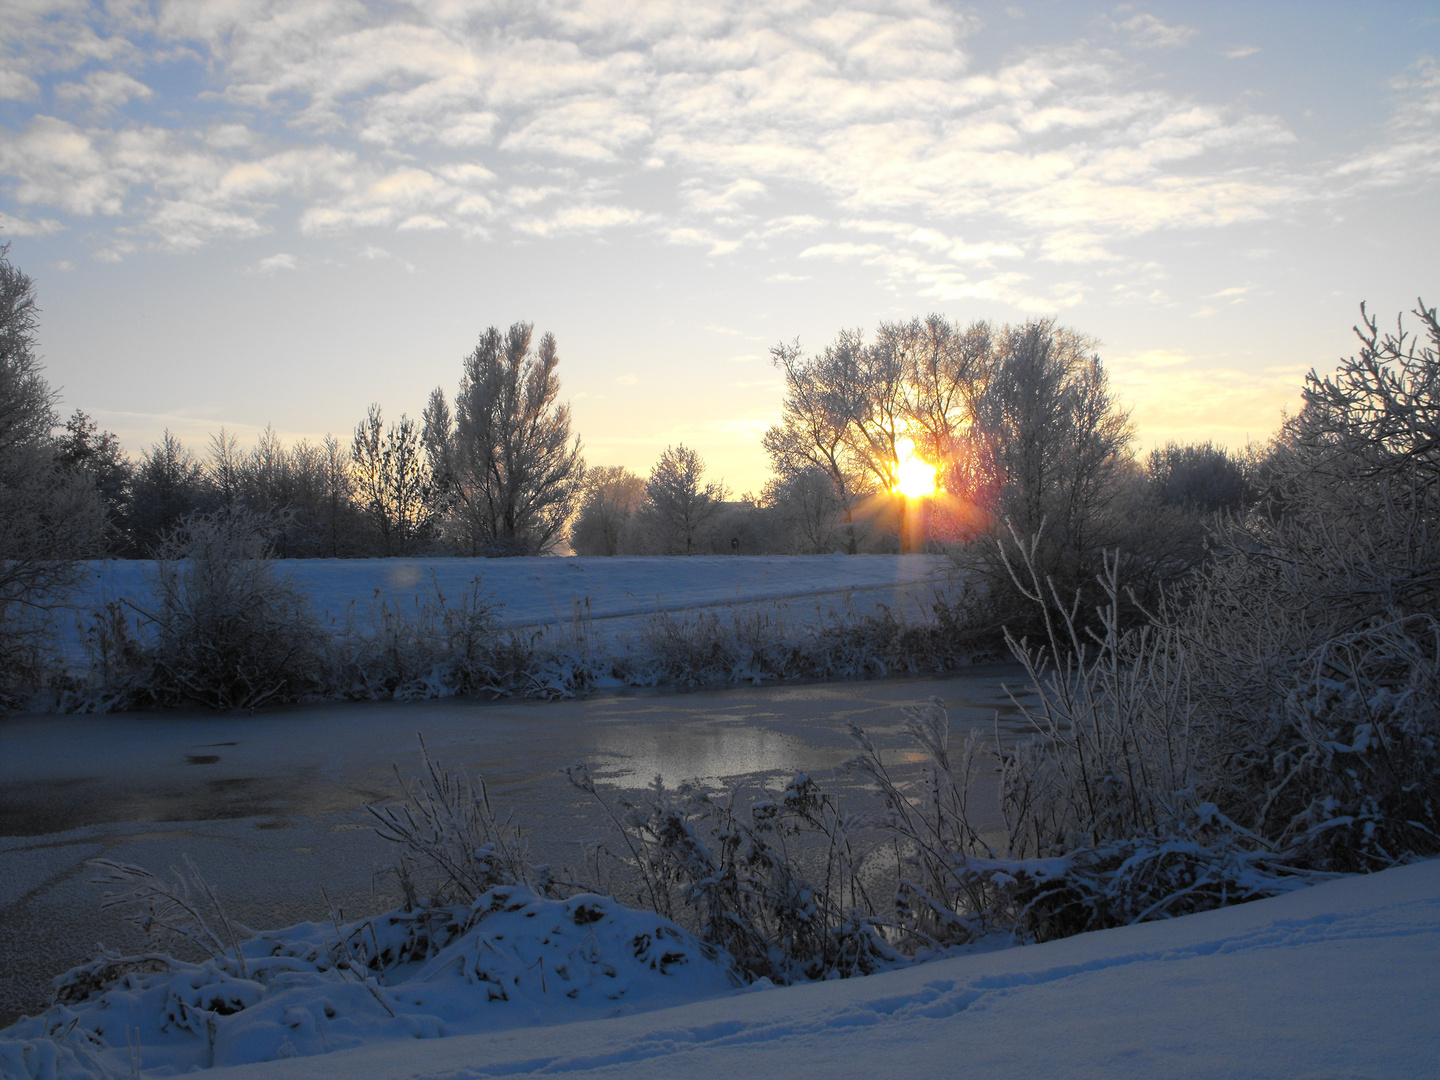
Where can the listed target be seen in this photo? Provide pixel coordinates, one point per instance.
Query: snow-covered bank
(539, 591)
(1342, 979)
(237, 633)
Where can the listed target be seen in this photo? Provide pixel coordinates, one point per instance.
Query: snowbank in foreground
(511, 959)
(1339, 980)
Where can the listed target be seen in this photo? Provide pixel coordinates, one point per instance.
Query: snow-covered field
(1338, 980)
(535, 592)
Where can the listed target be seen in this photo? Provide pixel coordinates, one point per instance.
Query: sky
(244, 213)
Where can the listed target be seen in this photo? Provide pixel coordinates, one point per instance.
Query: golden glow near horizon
(915, 479)
(1082, 164)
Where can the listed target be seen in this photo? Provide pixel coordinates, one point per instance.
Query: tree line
(1019, 420)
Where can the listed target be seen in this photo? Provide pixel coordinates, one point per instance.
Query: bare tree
(225, 468)
(1382, 405)
(169, 486)
(845, 410)
(509, 471)
(337, 492)
(810, 509)
(677, 506)
(392, 481)
(612, 495)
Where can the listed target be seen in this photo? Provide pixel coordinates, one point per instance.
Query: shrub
(435, 648)
(228, 631)
(454, 847)
(776, 883)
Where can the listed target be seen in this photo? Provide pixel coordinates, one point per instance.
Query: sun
(915, 479)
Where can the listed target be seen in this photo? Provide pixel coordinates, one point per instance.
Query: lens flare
(915, 479)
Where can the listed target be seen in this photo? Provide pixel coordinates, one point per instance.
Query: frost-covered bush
(437, 648)
(775, 882)
(761, 644)
(1282, 724)
(1319, 683)
(454, 846)
(709, 648)
(225, 629)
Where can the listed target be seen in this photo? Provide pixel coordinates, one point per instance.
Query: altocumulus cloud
(865, 132)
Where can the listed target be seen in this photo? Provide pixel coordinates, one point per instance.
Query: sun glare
(914, 478)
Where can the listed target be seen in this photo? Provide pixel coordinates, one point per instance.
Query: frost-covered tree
(1055, 443)
(392, 481)
(169, 485)
(612, 495)
(1019, 421)
(508, 472)
(810, 510)
(97, 454)
(304, 491)
(677, 504)
(1199, 476)
(845, 409)
(50, 515)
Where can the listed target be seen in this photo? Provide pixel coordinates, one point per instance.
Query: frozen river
(270, 807)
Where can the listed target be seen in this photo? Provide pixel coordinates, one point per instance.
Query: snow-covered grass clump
(512, 958)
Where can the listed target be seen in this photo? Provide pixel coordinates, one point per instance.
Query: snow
(511, 959)
(1341, 979)
(547, 590)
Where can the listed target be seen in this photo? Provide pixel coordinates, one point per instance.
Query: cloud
(104, 89)
(13, 226)
(945, 281)
(183, 225)
(591, 130)
(933, 240)
(373, 253)
(406, 197)
(1235, 294)
(1191, 399)
(703, 237)
(423, 223)
(732, 124)
(280, 261)
(17, 86)
(573, 219)
(1076, 247)
(53, 163)
(727, 200)
(1240, 52)
(842, 251)
(1408, 147)
(791, 223)
(1148, 32)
